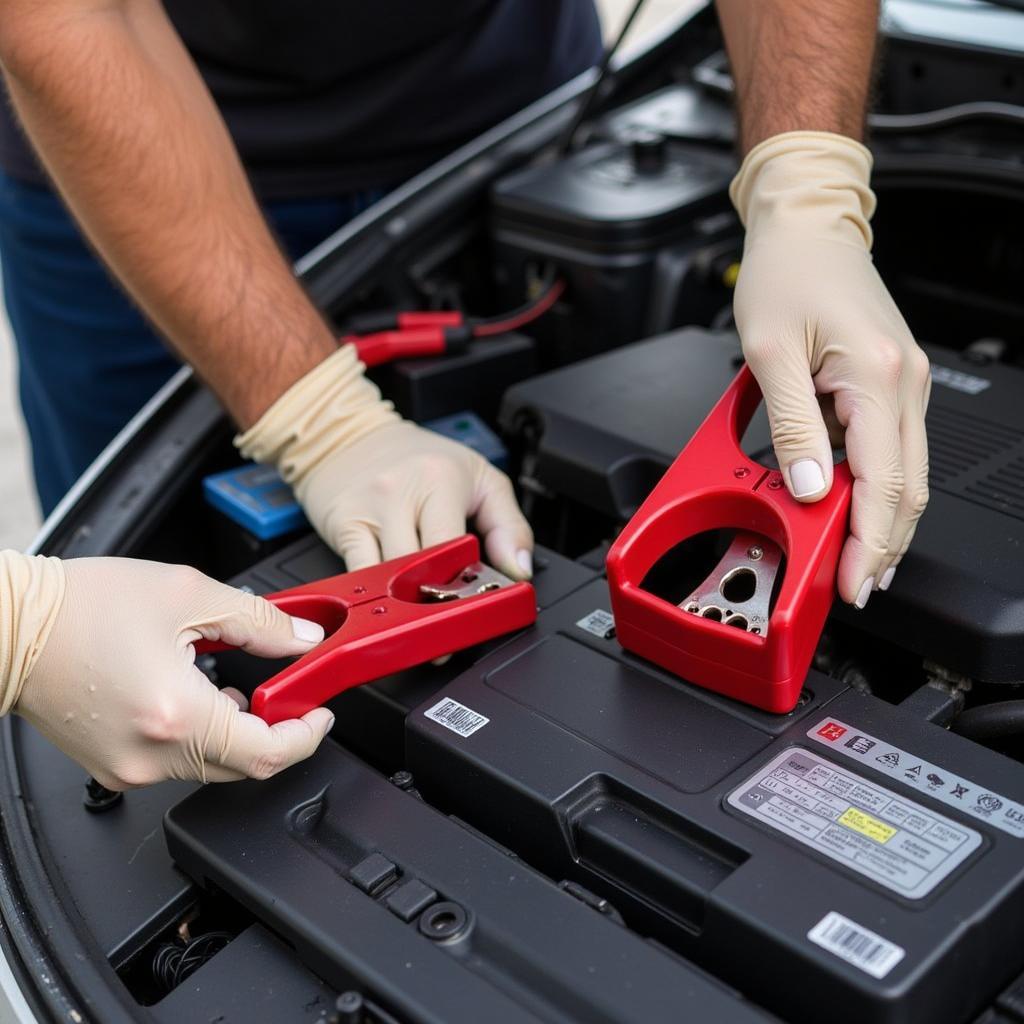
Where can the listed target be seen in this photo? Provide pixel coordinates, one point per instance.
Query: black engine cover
(606, 429)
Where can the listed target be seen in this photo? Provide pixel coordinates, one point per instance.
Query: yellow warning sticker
(866, 825)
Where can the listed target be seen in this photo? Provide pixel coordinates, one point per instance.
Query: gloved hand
(376, 486)
(97, 654)
(817, 323)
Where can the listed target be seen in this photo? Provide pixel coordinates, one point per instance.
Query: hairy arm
(799, 65)
(129, 133)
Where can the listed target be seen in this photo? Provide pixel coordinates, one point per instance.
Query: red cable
(488, 328)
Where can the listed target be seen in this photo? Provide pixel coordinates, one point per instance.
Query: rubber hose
(1001, 720)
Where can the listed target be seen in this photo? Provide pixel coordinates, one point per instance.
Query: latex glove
(106, 669)
(375, 486)
(816, 321)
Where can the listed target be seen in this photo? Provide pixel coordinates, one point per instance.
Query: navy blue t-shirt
(325, 96)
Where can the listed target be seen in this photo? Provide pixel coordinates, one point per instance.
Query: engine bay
(548, 827)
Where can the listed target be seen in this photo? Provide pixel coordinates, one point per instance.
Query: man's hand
(403, 488)
(375, 486)
(816, 320)
(812, 312)
(116, 687)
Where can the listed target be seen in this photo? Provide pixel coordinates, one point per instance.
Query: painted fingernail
(865, 592)
(525, 562)
(806, 478)
(306, 631)
(883, 583)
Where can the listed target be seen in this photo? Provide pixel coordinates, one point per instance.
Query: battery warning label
(867, 826)
(939, 783)
(893, 841)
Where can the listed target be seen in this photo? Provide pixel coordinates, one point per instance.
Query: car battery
(369, 718)
(847, 862)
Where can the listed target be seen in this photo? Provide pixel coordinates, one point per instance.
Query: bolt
(349, 1007)
(98, 798)
(740, 472)
(402, 779)
(754, 552)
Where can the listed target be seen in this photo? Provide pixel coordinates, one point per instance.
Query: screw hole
(739, 585)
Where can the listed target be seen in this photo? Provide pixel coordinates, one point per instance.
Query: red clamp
(713, 485)
(387, 618)
(415, 336)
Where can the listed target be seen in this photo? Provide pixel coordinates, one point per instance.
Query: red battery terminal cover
(387, 618)
(713, 485)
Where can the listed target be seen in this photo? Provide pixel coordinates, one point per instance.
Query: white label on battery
(843, 816)
(938, 783)
(967, 383)
(856, 944)
(599, 623)
(457, 717)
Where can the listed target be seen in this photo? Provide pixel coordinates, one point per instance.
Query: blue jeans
(88, 361)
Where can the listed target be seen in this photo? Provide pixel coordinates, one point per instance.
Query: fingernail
(883, 583)
(525, 561)
(865, 592)
(330, 726)
(806, 478)
(306, 631)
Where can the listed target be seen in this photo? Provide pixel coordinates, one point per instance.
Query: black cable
(173, 962)
(947, 117)
(715, 77)
(593, 94)
(999, 721)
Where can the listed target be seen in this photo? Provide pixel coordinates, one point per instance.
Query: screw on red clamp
(725, 636)
(387, 618)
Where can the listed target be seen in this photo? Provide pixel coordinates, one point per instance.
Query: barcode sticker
(598, 623)
(856, 944)
(457, 717)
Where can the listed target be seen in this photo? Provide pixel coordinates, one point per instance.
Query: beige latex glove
(97, 654)
(375, 486)
(820, 331)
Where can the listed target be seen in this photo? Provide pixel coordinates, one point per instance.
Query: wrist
(331, 407)
(810, 183)
(32, 591)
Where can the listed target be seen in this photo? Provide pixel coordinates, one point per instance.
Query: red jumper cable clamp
(722, 636)
(384, 337)
(387, 618)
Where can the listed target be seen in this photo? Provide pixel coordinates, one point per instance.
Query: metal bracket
(738, 590)
(476, 578)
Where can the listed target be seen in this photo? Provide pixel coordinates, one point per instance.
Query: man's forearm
(800, 64)
(132, 138)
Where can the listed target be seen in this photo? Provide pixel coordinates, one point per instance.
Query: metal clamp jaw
(739, 589)
(714, 485)
(387, 618)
